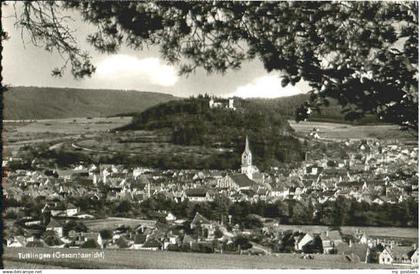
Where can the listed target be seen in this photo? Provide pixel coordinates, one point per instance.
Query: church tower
(246, 167)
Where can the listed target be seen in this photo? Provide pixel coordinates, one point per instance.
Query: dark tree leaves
(364, 54)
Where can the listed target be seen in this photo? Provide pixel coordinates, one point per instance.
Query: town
(325, 205)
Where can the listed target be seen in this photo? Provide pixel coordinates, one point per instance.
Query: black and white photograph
(197, 135)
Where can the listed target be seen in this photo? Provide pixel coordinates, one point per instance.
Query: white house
(304, 241)
(17, 241)
(398, 255)
(170, 217)
(71, 210)
(415, 258)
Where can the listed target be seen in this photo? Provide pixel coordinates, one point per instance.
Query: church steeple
(247, 145)
(246, 167)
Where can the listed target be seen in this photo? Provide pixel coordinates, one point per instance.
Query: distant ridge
(333, 113)
(53, 103)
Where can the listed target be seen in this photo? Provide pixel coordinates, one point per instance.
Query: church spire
(247, 145)
(246, 167)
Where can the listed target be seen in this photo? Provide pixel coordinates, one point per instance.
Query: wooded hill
(53, 103)
(192, 122)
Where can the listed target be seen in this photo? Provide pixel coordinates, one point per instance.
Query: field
(337, 131)
(114, 222)
(141, 259)
(26, 132)
(400, 232)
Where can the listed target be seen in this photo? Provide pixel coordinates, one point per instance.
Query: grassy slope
(53, 103)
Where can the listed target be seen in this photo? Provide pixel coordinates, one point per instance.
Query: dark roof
(242, 180)
(334, 172)
(199, 219)
(70, 205)
(152, 243)
(357, 249)
(400, 251)
(198, 192)
(333, 235)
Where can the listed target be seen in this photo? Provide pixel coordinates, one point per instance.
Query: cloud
(268, 86)
(125, 67)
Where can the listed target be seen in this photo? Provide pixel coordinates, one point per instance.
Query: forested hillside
(53, 103)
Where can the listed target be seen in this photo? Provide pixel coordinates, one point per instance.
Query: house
(358, 251)
(170, 217)
(304, 241)
(363, 238)
(222, 103)
(171, 239)
(313, 170)
(198, 195)
(415, 258)
(330, 239)
(207, 227)
(17, 241)
(55, 226)
(397, 255)
(199, 220)
(281, 192)
(238, 182)
(71, 210)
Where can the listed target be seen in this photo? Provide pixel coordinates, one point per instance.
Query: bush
(106, 234)
(90, 244)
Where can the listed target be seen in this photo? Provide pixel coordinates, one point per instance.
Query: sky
(27, 65)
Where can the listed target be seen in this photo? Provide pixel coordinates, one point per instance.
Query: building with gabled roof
(397, 255)
(240, 182)
(330, 239)
(198, 195)
(199, 220)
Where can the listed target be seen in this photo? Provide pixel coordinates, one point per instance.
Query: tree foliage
(364, 54)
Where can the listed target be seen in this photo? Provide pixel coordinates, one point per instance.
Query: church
(246, 167)
(248, 178)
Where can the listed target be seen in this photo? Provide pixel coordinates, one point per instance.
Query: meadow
(114, 222)
(338, 131)
(400, 232)
(141, 259)
(18, 133)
